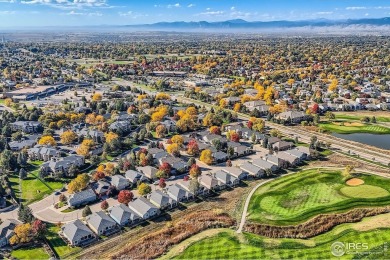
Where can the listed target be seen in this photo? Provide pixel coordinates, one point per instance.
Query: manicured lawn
(347, 129)
(364, 191)
(296, 198)
(229, 245)
(32, 188)
(30, 253)
(56, 242)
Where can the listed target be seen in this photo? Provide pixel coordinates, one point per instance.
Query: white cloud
(212, 13)
(74, 13)
(7, 12)
(177, 5)
(131, 14)
(7, 1)
(191, 5)
(324, 13)
(232, 8)
(353, 8)
(69, 4)
(208, 9)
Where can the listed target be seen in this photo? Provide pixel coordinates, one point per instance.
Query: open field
(380, 116)
(226, 244)
(349, 128)
(296, 198)
(30, 253)
(32, 188)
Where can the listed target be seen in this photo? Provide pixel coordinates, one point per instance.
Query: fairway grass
(364, 191)
(229, 245)
(350, 129)
(296, 198)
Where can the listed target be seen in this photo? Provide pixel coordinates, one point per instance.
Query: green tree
(86, 211)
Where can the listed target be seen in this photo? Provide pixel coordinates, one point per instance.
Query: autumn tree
(173, 149)
(161, 131)
(177, 139)
(47, 140)
(38, 228)
(206, 157)
(161, 183)
(144, 189)
(110, 137)
(22, 234)
(235, 137)
(104, 205)
(192, 148)
(85, 147)
(195, 171)
(97, 97)
(125, 197)
(79, 183)
(166, 168)
(68, 137)
(215, 130)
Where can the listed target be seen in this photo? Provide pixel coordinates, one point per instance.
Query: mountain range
(242, 24)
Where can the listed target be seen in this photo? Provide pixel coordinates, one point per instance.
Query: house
(97, 136)
(81, 198)
(157, 154)
(27, 127)
(148, 171)
(236, 172)
(42, 153)
(226, 179)
(186, 185)
(178, 165)
(220, 156)
(282, 145)
(252, 170)
(278, 162)
(77, 233)
(292, 116)
(120, 182)
(305, 150)
(102, 224)
(61, 165)
(123, 215)
(266, 166)
(300, 155)
(208, 182)
(179, 194)
(101, 187)
(209, 138)
(134, 176)
(144, 208)
(19, 145)
(292, 160)
(242, 150)
(162, 200)
(120, 126)
(7, 231)
(272, 140)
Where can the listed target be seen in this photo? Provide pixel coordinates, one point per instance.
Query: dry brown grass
(348, 123)
(315, 226)
(354, 182)
(157, 243)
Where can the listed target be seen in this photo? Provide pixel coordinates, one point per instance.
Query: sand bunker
(355, 182)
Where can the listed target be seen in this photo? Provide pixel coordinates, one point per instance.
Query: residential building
(266, 166)
(7, 231)
(148, 171)
(61, 165)
(292, 116)
(42, 153)
(101, 223)
(27, 127)
(135, 176)
(120, 182)
(292, 160)
(252, 170)
(123, 215)
(144, 208)
(162, 200)
(225, 179)
(179, 194)
(81, 198)
(77, 233)
(236, 172)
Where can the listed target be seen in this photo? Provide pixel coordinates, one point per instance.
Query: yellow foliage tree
(68, 137)
(47, 140)
(97, 97)
(177, 139)
(237, 107)
(85, 147)
(223, 103)
(162, 96)
(191, 111)
(110, 136)
(79, 183)
(206, 157)
(173, 148)
(22, 234)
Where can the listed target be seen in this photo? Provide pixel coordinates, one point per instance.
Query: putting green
(364, 191)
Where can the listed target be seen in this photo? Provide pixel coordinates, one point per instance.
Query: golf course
(344, 127)
(296, 198)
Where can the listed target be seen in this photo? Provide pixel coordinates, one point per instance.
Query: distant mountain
(242, 24)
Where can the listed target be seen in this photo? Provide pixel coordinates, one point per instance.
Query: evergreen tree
(25, 214)
(86, 211)
(22, 174)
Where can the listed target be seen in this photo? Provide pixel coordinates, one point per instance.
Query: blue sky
(21, 13)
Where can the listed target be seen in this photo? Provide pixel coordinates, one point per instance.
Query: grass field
(296, 198)
(58, 244)
(229, 245)
(32, 188)
(344, 129)
(30, 253)
(357, 116)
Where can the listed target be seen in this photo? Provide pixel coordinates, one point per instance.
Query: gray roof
(19, 145)
(234, 171)
(176, 192)
(134, 176)
(119, 180)
(7, 227)
(295, 153)
(141, 206)
(74, 231)
(82, 196)
(159, 198)
(250, 168)
(100, 221)
(122, 213)
(208, 181)
(224, 177)
(262, 164)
